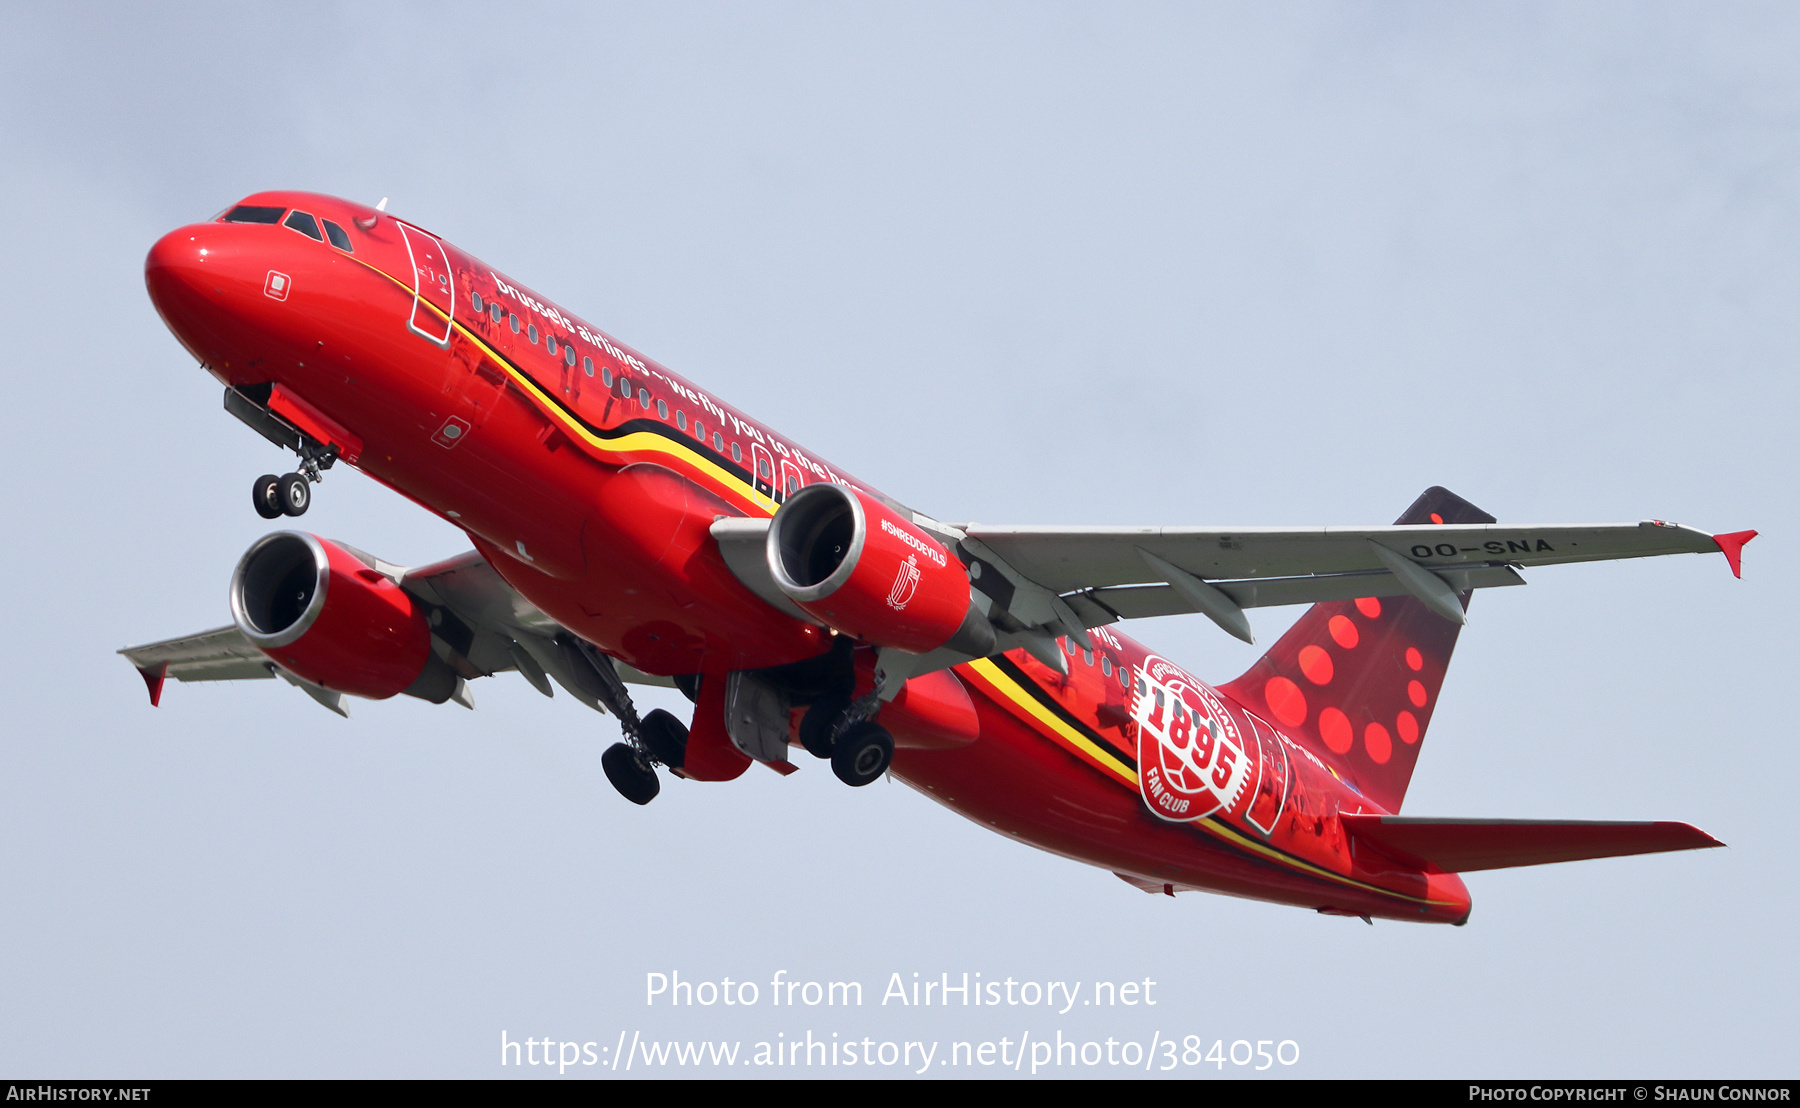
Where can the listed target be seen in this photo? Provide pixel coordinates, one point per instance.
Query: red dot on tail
(1415, 692)
(1334, 728)
(1414, 660)
(1369, 606)
(1435, 518)
(1377, 743)
(1286, 701)
(1408, 725)
(1343, 632)
(1316, 664)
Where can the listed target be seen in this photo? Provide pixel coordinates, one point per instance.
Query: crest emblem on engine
(1192, 759)
(906, 582)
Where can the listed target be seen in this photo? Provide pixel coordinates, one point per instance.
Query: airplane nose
(192, 275)
(181, 270)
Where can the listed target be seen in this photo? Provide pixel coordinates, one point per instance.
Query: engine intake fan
(867, 571)
(323, 615)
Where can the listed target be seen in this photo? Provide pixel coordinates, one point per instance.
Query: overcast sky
(1034, 263)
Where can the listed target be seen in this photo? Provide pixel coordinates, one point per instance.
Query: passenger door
(432, 286)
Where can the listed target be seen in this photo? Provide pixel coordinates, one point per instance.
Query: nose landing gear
(274, 497)
(291, 494)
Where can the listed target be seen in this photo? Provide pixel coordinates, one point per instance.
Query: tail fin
(1355, 681)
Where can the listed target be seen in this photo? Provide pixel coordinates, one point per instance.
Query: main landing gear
(634, 778)
(631, 772)
(290, 495)
(859, 748)
(657, 737)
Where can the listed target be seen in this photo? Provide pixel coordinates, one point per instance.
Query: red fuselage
(589, 476)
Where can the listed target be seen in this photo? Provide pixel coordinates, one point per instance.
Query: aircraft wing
(223, 654)
(1067, 559)
(1108, 573)
(480, 626)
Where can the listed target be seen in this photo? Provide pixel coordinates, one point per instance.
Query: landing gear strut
(658, 737)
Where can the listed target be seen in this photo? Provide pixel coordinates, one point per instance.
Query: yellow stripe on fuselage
(1050, 724)
(637, 442)
(1058, 729)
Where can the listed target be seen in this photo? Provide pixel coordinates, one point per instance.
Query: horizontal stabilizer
(1462, 845)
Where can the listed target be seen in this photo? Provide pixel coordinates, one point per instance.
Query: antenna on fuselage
(382, 207)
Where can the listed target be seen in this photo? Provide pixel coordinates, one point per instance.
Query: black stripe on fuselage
(627, 427)
(1042, 696)
(1285, 861)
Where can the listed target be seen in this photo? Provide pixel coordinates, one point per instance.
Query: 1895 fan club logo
(1192, 760)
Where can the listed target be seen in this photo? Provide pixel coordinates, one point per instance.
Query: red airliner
(630, 527)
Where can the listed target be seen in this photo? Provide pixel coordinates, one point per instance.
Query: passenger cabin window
(339, 239)
(587, 365)
(644, 397)
(662, 409)
(475, 298)
(251, 213)
(550, 344)
(718, 441)
(569, 357)
(513, 322)
(737, 452)
(606, 376)
(495, 312)
(305, 224)
(681, 420)
(531, 333)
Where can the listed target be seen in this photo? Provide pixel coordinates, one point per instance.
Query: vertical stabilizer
(1356, 681)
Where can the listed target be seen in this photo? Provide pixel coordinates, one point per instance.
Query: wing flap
(1105, 605)
(1461, 846)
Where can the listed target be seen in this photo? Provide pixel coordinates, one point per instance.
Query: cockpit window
(305, 224)
(250, 213)
(338, 238)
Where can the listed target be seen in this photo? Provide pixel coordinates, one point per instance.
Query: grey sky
(1018, 263)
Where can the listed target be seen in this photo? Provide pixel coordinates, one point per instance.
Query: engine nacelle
(869, 572)
(325, 616)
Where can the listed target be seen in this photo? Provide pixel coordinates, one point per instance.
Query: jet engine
(867, 571)
(321, 613)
